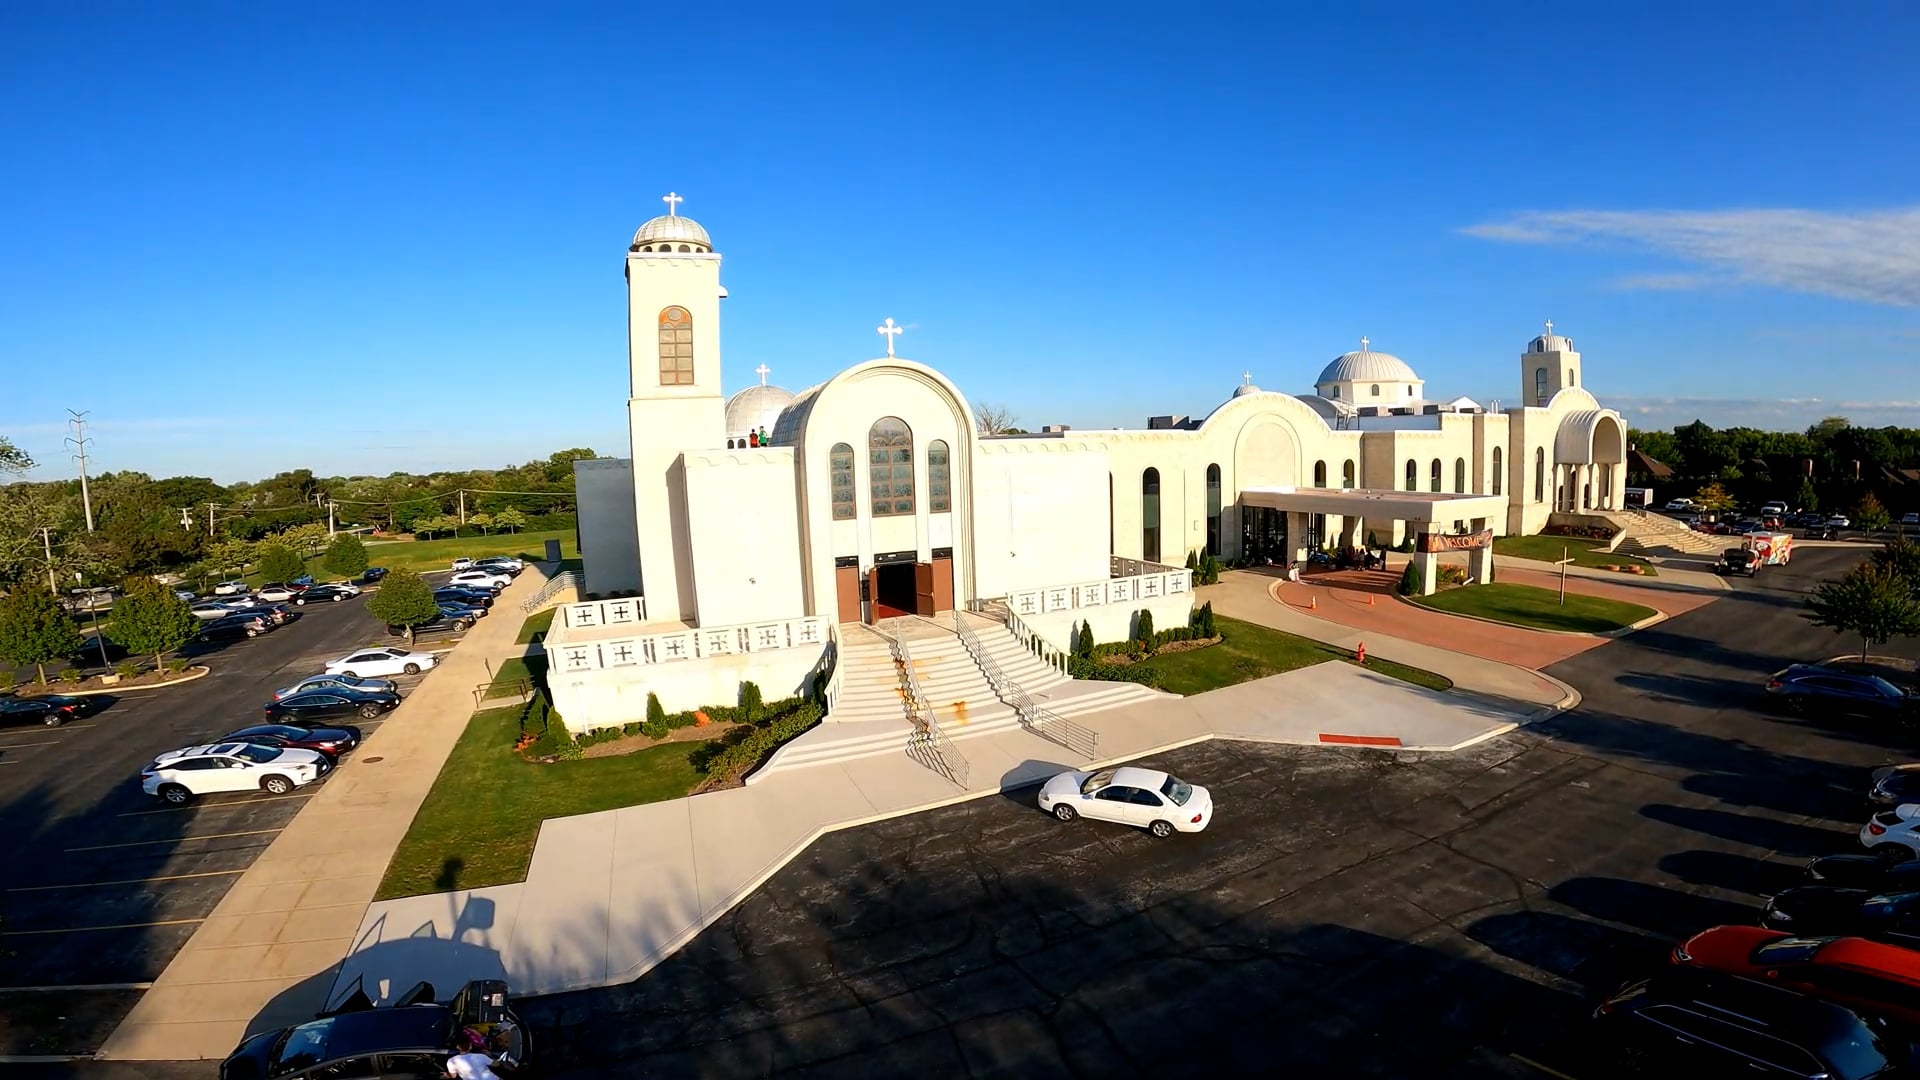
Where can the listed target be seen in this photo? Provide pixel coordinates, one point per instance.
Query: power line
(78, 422)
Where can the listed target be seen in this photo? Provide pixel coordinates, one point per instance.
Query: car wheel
(410, 669)
(175, 794)
(1161, 829)
(463, 624)
(276, 785)
(302, 602)
(1065, 812)
(371, 712)
(1796, 704)
(52, 720)
(1894, 853)
(337, 597)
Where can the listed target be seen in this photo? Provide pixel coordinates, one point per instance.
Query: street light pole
(46, 541)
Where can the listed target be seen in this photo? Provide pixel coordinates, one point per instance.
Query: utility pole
(78, 422)
(46, 541)
(210, 507)
(463, 506)
(186, 518)
(330, 505)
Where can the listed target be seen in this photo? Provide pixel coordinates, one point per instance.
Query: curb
(198, 671)
(1604, 635)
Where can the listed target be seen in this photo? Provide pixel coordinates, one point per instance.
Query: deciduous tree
(346, 556)
(482, 521)
(406, 600)
(510, 519)
(35, 629)
(12, 458)
(993, 419)
(1869, 601)
(1870, 514)
(1713, 499)
(150, 619)
(1901, 559)
(279, 563)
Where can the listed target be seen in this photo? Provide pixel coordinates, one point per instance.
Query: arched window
(1539, 474)
(1540, 386)
(890, 466)
(1413, 475)
(1376, 389)
(840, 480)
(1460, 476)
(1498, 472)
(1573, 379)
(684, 247)
(1213, 510)
(1150, 515)
(1319, 474)
(1336, 393)
(1346, 474)
(939, 478)
(1433, 475)
(676, 347)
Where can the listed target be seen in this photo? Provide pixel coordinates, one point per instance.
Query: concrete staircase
(870, 714)
(1650, 533)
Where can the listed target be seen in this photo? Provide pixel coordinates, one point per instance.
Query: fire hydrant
(1362, 652)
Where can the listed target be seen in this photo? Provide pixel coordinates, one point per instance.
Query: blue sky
(249, 240)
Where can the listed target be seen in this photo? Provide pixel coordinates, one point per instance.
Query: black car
(511, 568)
(1894, 785)
(413, 1037)
(1806, 688)
(441, 624)
(322, 594)
(372, 574)
(1689, 1021)
(463, 596)
(277, 614)
(1823, 911)
(455, 610)
(52, 710)
(330, 742)
(1864, 872)
(326, 704)
(1737, 562)
(235, 626)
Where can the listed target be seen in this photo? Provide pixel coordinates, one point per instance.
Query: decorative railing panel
(810, 632)
(1131, 589)
(626, 611)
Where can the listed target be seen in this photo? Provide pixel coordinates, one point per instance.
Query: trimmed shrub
(1144, 629)
(739, 755)
(655, 714)
(1193, 561)
(1411, 583)
(1084, 644)
(126, 669)
(1205, 625)
(175, 667)
(72, 675)
(750, 703)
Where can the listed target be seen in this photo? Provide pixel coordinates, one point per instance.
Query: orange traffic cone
(1362, 653)
(1369, 599)
(1313, 604)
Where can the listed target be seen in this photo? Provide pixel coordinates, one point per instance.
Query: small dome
(668, 232)
(1550, 343)
(756, 407)
(1244, 389)
(1366, 365)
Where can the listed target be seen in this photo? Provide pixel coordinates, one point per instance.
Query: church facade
(743, 530)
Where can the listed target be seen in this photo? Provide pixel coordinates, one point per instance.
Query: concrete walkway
(610, 895)
(266, 956)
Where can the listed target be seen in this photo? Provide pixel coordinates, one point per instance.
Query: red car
(1867, 976)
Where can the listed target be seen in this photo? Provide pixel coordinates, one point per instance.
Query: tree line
(1752, 466)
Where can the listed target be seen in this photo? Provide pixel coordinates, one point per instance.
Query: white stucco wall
(1041, 514)
(609, 543)
(742, 517)
(609, 698)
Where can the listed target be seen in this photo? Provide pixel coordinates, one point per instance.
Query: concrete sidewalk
(610, 895)
(266, 956)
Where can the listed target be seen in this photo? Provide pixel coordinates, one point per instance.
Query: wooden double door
(892, 589)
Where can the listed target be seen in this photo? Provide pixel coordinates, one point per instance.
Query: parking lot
(1350, 912)
(105, 883)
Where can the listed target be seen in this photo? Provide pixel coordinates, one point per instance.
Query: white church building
(743, 532)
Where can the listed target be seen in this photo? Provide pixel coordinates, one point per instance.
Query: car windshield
(399, 652)
(1885, 687)
(259, 755)
(1792, 950)
(1096, 781)
(1178, 790)
(300, 1047)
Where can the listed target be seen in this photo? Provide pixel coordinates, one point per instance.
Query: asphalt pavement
(103, 883)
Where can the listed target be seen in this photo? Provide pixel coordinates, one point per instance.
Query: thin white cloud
(1873, 256)
(1662, 282)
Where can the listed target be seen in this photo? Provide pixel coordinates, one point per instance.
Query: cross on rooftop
(762, 371)
(672, 200)
(1363, 344)
(1549, 327)
(1246, 378)
(891, 331)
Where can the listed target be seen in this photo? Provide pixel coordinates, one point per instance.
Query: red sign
(1431, 542)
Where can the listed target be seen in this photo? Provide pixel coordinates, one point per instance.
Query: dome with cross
(671, 232)
(755, 409)
(1368, 377)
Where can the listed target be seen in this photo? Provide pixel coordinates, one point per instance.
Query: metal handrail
(564, 580)
(1038, 645)
(926, 729)
(830, 657)
(1040, 720)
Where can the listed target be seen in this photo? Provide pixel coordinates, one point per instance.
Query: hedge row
(742, 754)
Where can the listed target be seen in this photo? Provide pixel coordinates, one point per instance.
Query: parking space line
(111, 926)
(125, 881)
(1534, 1064)
(222, 805)
(174, 840)
(18, 745)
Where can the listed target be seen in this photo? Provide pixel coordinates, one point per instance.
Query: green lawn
(478, 824)
(537, 623)
(1539, 609)
(420, 555)
(513, 671)
(1250, 651)
(1582, 551)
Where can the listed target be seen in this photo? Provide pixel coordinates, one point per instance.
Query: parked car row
(1828, 983)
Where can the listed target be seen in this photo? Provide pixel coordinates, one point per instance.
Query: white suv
(1894, 833)
(486, 579)
(462, 563)
(179, 775)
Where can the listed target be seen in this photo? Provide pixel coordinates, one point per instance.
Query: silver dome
(756, 407)
(1550, 343)
(674, 230)
(1244, 389)
(1366, 365)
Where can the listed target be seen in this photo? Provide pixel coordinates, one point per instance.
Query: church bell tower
(673, 355)
(1549, 366)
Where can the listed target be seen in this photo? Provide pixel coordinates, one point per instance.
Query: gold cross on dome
(672, 200)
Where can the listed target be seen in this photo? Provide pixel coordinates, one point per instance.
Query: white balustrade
(1157, 581)
(631, 610)
(812, 631)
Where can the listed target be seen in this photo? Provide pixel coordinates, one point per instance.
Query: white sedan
(1152, 800)
(178, 775)
(389, 660)
(486, 579)
(231, 588)
(463, 563)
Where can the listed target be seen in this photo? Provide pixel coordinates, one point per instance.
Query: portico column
(1427, 561)
(1479, 560)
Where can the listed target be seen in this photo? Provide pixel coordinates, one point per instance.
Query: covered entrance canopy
(1356, 506)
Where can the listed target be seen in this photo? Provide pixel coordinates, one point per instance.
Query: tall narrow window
(840, 480)
(1539, 474)
(939, 478)
(890, 466)
(1498, 471)
(676, 347)
(1460, 475)
(1433, 476)
(1346, 474)
(1213, 510)
(1540, 386)
(1319, 474)
(1376, 390)
(1413, 475)
(1150, 515)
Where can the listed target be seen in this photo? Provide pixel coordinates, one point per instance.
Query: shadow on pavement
(1735, 873)
(1786, 837)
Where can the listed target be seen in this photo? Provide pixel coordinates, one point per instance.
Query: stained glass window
(676, 347)
(840, 470)
(890, 466)
(939, 478)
